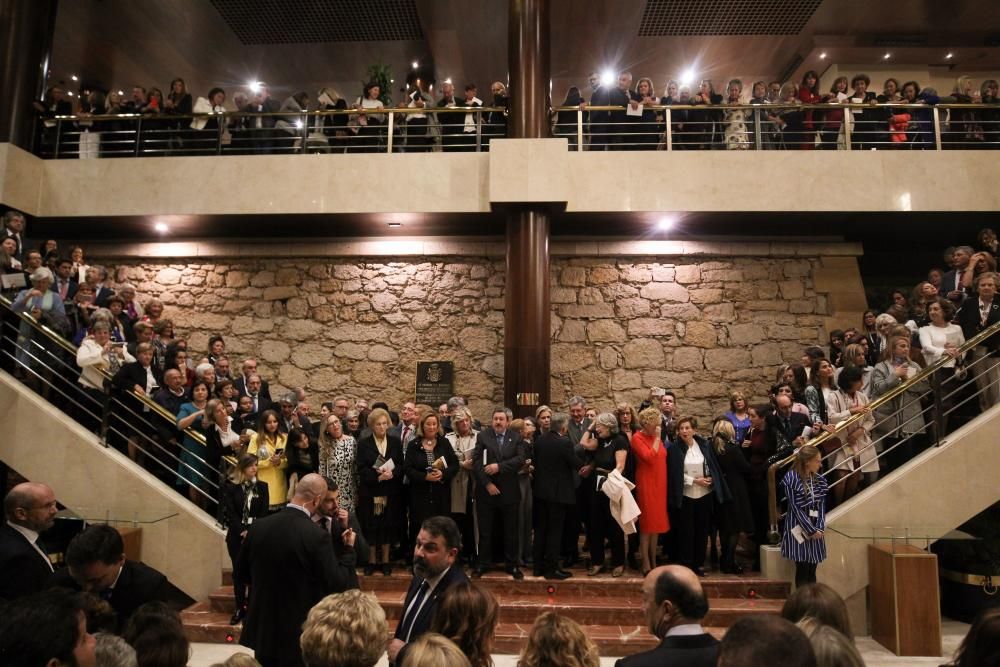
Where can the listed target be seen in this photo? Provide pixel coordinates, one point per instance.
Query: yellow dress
(274, 477)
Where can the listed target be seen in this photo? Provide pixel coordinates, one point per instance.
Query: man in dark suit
(96, 277)
(97, 564)
(675, 604)
(261, 128)
(979, 312)
(29, 508)
(554, 493)
(434, 572)
(497, 458)
(951, 283)
(243, 383)
(668, 416)
(65, 284)
(290, 566)
(406, 429)
(13, 227)
(784, 426)
(334, 519)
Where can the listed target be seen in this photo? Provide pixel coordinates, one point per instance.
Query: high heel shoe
(238, 616)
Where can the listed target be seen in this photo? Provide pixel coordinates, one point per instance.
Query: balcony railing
(470, 129)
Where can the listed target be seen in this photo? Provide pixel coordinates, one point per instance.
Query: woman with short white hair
(46, 308)
(610, 448)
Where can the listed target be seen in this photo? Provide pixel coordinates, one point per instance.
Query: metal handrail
(876, 403)
(283, 114)
(826, 106)
(72, 349)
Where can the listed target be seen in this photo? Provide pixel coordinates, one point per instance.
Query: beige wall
(699, 319)
(44, 445)
(523, 170)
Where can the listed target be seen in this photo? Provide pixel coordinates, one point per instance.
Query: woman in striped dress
(802, 540)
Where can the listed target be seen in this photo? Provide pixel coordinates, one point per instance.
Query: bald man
(291, 565)
(675, 604)
(30, 508)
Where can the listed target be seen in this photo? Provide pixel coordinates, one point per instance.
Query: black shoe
(369, 570)
(238, 616)
(559, 575)
(386, 569)
(478, 572)
(515, 572)
(564, 572)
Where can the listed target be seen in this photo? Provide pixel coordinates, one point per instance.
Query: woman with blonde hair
(651, 485)
(463, 441)
(732, 516)
(468, 616)
(337, 453)
(802, 540)
(345, 629)
(380, 472)
(434, 650)
(558, 641)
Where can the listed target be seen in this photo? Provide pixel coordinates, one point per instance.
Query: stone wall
(358, 325)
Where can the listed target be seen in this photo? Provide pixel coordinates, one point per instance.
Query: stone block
(301, 330)
(665, 379)
(573, 331)
(384, 302)
(767, 305)
(798, 268)
(643, 353)
(288, 277)
(801, 306)
(297, 308)
(372, 374)
(646, 326)
(328, 381)
(168, 276)
(591, 383)
(605, 331)
(706, 296)
(493, 365)
(602, 275)
(627, 309)
(663, 274)
(623, 379)
(700, 334)
(682, 312)
(766, 354)
(687, 359)
(478, 339)
(279, 293)
(726, 359)
(568, 358)
(351, 351)
(665, 292)
(289, 376)
(249, 325)
(310, 355)
(274, 351)
(719, 312)
(346, 271)
(608, 358)
(382, 353)
(263, 279)
(636, 274)
(745, 334)
(687, 274)
(589, 296)
(593, 311)
(573, 276)
(700, 389)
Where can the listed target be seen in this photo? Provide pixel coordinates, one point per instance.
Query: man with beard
(434, 571)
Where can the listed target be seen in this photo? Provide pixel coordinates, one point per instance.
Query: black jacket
(26, 569)
(430, 498)
(233, 500)
(422, 624)
(368, 484)
(675, 472)
(137, 585)
(510, 457)
(555, 465)
(679, 651)
(290, 565)
(968, 318)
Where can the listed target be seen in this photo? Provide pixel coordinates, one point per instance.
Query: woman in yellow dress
(268, 445)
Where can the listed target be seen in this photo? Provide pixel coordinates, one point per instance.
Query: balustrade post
(937, 128)
(669, 130)
(391, 130)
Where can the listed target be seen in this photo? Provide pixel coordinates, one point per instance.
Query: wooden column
(527, 316)
(26, 30)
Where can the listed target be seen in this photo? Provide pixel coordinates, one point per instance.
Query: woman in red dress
(651, 485)
(809, 94)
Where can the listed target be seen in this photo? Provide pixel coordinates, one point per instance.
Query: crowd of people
(104, 610)
(643, 484)
(709, 118)
(646, 482)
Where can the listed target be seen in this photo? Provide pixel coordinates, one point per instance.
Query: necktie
(41, 546)
(406, 432)
(254, 397)
(411, 613)
(63, 289)
(324, 523)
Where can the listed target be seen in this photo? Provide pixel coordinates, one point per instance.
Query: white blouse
(694, 467)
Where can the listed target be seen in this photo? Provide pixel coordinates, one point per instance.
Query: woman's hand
(467, 464)
(385, 476)
(703, 481)
(901, 371)
(433, 476)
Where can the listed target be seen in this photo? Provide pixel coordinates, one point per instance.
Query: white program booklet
(629, 111)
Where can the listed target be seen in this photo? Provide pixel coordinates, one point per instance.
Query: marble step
(715, 585)
(587, 610)
(202, 624)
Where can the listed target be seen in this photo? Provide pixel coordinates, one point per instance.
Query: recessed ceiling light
(822, 56)
(161, 227)
(607, 77)
(665, 223)
(687, 78)
(395, 225)
(949, 56)
(886, 56)
(73, 77)
(415, 64)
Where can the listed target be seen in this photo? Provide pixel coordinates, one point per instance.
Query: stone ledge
(471, 247)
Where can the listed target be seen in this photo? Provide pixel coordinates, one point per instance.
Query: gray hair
(113, 651)
(884, 318)
(100, 326)
(608, 421)
(455, 402)
(290, 398)
(967, 249)
(558, 421)
(126, 287)
(38, 275)
(201, 369)
(578, 400)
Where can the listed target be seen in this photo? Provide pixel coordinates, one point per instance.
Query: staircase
(609, 609)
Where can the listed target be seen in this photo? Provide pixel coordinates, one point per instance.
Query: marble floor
(206, 655)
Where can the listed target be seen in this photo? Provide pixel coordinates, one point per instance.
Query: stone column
(26, 30)
(527, 316)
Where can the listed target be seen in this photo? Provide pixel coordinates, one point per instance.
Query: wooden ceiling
(115, 43)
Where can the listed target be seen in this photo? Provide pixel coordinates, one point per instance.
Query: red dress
(808, 97)
(651, 483)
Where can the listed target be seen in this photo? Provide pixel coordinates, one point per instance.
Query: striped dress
(801, 500)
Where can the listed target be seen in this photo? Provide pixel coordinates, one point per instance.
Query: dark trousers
(604, 527)
(691, 522)
(233, 544)
(805, 573)
(486, 513)
(549, 519)
(761, 518)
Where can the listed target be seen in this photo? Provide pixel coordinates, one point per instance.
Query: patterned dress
(804, 500)
(340, 466)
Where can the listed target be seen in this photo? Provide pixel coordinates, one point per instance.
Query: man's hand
(491, 469)
(343, 518)
(492, 489)
(348, 536)
(586, 470)
(394, 647)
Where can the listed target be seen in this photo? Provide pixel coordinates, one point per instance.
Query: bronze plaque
(435, 382)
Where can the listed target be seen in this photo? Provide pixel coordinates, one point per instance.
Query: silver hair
(201, 369)
(41, 274)
(578, 400)
(883, 318)
(608, 421)
(113, 651)
(558, 421)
